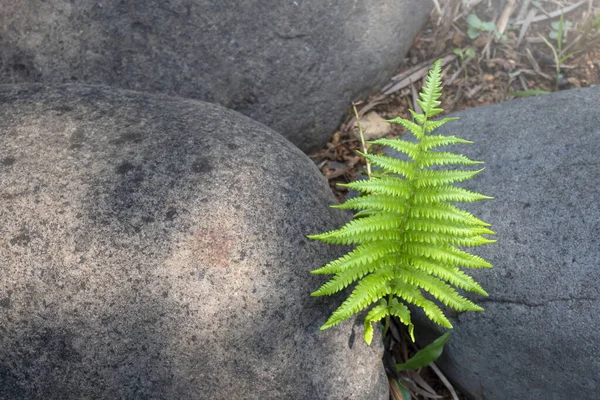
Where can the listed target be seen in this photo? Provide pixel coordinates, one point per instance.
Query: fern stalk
(362, 139)
(407, 232)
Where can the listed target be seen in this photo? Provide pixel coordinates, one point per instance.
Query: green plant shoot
(407, 231)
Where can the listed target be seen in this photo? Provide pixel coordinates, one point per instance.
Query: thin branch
(554, 14)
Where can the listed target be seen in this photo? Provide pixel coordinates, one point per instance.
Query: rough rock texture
(154, 247)
(538, 336)
(294, 65)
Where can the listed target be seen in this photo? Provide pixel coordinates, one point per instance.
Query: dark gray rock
(538, 336)
(293, 65)
(154, 247)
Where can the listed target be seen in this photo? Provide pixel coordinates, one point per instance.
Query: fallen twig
(503, 20)
(444, 381)
(553, 14)
(536, 66)
(372, 104)
(526, 24)
(523, 10)
(414, 76)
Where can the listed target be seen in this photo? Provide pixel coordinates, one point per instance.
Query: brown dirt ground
(501, 67)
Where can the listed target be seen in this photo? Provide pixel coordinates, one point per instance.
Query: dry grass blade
(536, 66)
(503, 20)
(444, 381)
(394, 391)
(414, 76)
(414, 375)
(415, 96)
(554, 14)
(523, 9)
(526, 24)
(372, 104)
(407, 381)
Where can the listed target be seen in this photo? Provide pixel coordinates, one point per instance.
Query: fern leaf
(400, 310)
(415, 129)
(385, 203)
(375, 227)
(429, 159)
(419, 118)
(438, 289)
(364, 213)
(432, 91)
(408, 148)
(369, 290)
(413, 295)
(432, 125)
(439, 178)
(446, 254)
(447, 193)
(363, 254)
(440, 238)
(386, 185)
(390, 164)
(451, 274)
(377, 222)
(445, 212)
(341, 280)
(431, 142)
(376, 314)
(427, 225)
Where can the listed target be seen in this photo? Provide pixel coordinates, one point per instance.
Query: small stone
(575, 83)
(374, 127)
(458, 39)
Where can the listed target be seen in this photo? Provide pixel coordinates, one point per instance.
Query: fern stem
(362, 139)
(409, 204)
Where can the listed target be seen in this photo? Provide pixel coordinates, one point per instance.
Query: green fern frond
(386, 203)
(430, 126)
(445, 212)
(363, 254)
(420, 118)
(440, 178)
(341, 280)
(431, 142)
(436, 226)
(376, 314)
(446, 254)
(447, 193)
(432, 90)
(369, 290)
(377, 222)
(412, 294)
(431, 158)
(408, 148)
(406, 229)
(400, 311)
(390, 164)
(440, 238)
(451, 274)
(413, 128)
(386, 185)
(440, 290)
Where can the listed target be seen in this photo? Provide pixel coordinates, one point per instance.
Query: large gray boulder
(293, 65)
(538, 336)
(154, 247)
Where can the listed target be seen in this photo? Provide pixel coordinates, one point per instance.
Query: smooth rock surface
(154, 247)
(538, 336)
(293, 65)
